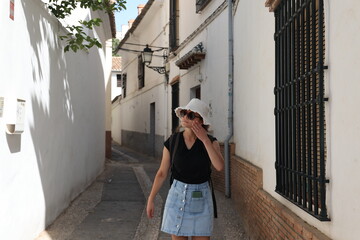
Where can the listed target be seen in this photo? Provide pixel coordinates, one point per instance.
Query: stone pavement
(113, 207)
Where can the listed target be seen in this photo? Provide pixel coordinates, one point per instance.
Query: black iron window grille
(175, 103)
(299, 111)
(201, 4)
(174, 25)
(118, 80)
(141, 72)
(124, 76)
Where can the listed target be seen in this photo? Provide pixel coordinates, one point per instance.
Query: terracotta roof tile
(116, 64)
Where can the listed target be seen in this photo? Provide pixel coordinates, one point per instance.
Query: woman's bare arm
(160, 177)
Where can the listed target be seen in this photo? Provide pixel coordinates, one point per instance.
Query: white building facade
(294, 169)
(199, 58)
(116, 75)
(256, 127)
(141, 114)
(57, 102)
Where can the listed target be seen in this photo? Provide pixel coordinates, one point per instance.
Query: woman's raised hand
(199, 131)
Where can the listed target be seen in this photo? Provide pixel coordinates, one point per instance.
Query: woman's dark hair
(206, 127)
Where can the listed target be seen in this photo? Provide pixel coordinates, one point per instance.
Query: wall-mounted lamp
(147, 55)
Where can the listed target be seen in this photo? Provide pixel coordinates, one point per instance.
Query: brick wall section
(218, 178)
(263, 216)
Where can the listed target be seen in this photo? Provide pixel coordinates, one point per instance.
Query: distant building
(116, 81)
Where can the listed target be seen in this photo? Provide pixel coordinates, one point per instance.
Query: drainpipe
(230, 106)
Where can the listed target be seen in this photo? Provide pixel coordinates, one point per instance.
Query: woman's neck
(189, 134)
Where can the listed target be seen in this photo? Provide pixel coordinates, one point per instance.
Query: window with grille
(124, 76)
(141, 72)
(299, 105)
(175, 103)
(174, 25)
(118, 80)
(201, 4)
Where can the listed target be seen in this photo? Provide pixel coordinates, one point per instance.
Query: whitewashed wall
(343, 117)
(116, 122)
(254, 106)
(254, 101)
(61, 150)
(211, 74)
(115, 90)
(189, 20)
(138, 110)
(134, 109)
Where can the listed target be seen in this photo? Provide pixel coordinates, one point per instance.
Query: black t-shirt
(192, 166)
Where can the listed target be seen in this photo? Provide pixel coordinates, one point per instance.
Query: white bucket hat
(198, 106)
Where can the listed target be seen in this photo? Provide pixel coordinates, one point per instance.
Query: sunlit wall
(62, 147)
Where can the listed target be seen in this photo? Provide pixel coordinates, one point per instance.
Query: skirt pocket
(197, 205)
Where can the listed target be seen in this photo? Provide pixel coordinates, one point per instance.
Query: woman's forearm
(158, 182)
(213, 150)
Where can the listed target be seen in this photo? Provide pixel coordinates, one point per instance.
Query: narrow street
(113, 207)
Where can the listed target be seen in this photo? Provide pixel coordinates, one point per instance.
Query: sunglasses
(190, 115)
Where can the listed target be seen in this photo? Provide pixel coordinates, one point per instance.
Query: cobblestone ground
(113, 207)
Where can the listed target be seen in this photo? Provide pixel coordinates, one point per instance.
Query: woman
(189, 154)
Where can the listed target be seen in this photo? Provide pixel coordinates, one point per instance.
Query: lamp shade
(147, 55)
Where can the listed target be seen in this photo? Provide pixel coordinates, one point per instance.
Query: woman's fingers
(199, 130)
(150, 213)
(195, 127)
(150, 209)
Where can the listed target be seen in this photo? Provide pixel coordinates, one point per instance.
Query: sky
(124, 16)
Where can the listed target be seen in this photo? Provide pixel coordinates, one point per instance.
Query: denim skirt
(188, 210)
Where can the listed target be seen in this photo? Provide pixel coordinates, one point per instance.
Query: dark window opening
(124, 76)
(174, 25)
(175, 104)
(141, 72)
(195, 92)
(118, 80)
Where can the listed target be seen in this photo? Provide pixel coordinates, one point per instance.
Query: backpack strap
(213, 197)
(172, 152)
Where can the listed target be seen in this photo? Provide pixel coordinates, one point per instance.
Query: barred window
(141, 72)
(118, 80)
(174, 25)
(124, 76)
(299, 99)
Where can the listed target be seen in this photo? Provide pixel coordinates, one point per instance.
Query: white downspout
(230, 104)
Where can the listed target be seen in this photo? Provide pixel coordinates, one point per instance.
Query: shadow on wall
(67, 100)
(14, 143)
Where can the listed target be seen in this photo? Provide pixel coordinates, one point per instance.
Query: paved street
(113, 207)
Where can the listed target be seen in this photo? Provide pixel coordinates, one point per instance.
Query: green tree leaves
(78, 39)
(115, 43)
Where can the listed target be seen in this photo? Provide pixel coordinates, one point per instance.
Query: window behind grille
(175, 103)
(141, 72)
(118, 80)
(174, 25)
(299, 99)
(124, 76)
